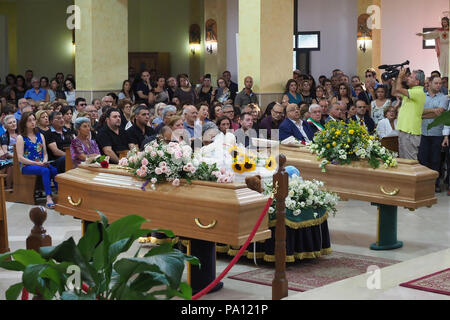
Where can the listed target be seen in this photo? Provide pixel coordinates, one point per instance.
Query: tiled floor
(424, 232)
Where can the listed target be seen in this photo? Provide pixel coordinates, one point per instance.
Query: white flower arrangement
(305, 194)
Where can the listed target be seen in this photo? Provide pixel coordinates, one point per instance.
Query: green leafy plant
(157, 274)
(443, 119)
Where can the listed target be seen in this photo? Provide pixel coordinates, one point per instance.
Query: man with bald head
(273, 121)
(294, 126)
(246, 96)
(190, 114)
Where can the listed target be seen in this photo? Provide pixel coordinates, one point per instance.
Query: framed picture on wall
(429, 44)
(309, 40)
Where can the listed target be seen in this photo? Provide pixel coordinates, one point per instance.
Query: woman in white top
(379, 104)
(69, 91)
(127, 92)
(387, 127)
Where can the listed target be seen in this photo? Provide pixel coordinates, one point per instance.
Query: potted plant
(443, 119)
(102, 273)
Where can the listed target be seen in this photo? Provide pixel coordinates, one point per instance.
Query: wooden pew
(23, 185)
(390, 143)
(4, 244)
(69, 162)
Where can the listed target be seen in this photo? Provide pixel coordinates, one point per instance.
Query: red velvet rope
(238, 256)
(24, 294)
(85, 287)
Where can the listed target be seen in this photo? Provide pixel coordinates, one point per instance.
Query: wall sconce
(194, 47)
(194, 38)
(211, 46)
(211, 36)
(73, 41)
(364, 42)
(364, 34)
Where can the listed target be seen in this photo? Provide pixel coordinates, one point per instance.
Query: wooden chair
(69, 162)
(390, 143)
(23, 185)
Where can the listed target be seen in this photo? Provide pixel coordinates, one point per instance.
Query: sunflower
(234, 151)
(238, 167)
(271, 163)
(249, 164)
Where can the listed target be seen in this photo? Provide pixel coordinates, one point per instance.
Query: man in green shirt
(409, 122)
(246, 96)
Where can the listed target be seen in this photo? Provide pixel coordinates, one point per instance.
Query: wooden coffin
(224, 213)
(408, 185)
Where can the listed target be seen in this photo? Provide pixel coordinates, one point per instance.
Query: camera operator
(409, 122)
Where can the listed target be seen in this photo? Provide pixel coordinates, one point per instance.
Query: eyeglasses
(231, 111)
(277, 112)
(83, 104)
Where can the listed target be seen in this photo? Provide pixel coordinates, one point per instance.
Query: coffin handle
(393, 193)
(209, 226)
(75, 204)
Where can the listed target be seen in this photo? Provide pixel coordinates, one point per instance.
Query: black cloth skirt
(302, 243)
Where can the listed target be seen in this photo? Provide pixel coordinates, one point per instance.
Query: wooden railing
(4, 244)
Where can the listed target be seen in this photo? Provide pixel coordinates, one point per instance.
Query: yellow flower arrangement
(350, 142)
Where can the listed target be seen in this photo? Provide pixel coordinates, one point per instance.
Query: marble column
(101, 58)
(266, 46)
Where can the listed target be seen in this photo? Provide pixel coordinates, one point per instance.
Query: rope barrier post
(281, 189)
(38, 236)
(189, 270)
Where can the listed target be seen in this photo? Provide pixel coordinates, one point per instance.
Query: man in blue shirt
(190, 115)
(37, 94)
(430, 145)
(22, 104)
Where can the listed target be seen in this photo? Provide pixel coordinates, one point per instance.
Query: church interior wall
(44, 43)
(38, 38)
(336, 21)
(161, 26)
(232, 32)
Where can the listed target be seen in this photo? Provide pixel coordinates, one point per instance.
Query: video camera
(393, 70)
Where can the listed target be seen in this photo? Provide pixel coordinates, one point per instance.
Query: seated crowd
(45, 118)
